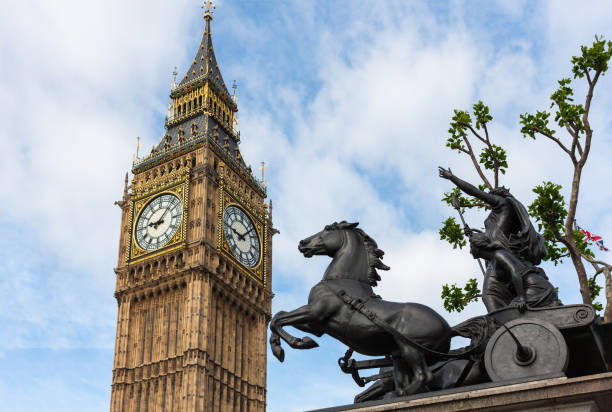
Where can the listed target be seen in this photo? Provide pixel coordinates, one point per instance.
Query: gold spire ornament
(209, 8)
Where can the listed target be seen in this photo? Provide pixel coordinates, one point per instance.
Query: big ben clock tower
(194, 272)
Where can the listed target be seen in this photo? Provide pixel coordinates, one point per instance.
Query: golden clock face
(158, 221)
(241, 236)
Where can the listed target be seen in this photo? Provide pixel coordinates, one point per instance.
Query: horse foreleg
(300, 316)
(412, 361)
(275, 344)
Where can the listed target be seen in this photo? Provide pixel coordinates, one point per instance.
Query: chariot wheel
(525, 347)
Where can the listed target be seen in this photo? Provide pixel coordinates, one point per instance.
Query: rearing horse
(352, 273)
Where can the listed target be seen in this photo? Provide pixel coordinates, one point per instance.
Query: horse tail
(478, 330)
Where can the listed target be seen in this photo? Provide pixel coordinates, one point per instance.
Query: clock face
(159, 221)
(241, 236)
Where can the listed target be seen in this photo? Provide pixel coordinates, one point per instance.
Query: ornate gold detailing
(176, 183)
(228, 196)
(209, 7)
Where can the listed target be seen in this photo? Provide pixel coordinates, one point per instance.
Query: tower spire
(208, 13)
(204, 65)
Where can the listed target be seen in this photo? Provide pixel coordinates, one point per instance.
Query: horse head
(359, 254)
(326, 242)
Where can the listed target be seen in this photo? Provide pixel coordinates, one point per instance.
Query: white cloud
(348, 106)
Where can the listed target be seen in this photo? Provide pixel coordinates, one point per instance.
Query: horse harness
(359, 305)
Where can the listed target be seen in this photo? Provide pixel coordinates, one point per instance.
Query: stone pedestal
(592, 393)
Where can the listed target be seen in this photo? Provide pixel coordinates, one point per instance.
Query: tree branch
(588, 76)
(474, 132)
(556, 234)
(575, 145)
(475, 162)
(495, 162)
(608, 310)
(585, 120)
(554, 139)
(596, 263)
(487, 142)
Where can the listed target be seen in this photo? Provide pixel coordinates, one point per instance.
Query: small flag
(594, 238)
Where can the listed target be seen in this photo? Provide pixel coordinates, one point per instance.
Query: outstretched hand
(445, 173)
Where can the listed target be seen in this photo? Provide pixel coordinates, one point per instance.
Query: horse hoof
(307, 343)
(399, 393)
(279, 353)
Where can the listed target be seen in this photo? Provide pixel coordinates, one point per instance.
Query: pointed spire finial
(125, 187)
(137, 145)
(234, 86)
(123, 202)
(174, 74)
(209, 8)
(263, 169)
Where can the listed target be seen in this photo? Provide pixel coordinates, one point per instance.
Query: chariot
(538, 342)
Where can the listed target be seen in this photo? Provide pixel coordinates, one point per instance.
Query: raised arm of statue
(468, 188)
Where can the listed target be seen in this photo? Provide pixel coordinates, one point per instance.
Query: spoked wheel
(523, 348)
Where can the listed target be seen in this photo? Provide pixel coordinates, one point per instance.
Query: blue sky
(347, 102)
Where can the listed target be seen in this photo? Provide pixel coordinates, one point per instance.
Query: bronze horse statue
(344, 306)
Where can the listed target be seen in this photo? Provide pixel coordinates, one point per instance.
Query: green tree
(554, 216)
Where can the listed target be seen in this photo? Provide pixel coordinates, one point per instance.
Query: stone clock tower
(194, 272)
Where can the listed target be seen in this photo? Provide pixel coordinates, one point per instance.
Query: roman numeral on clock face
(241, 236)
(159, 220)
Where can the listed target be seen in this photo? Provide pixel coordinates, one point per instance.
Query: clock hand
(240, 235)
(164, 215)
(160, 221)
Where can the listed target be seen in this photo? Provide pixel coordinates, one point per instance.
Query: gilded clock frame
(178, 187)
(228, 197)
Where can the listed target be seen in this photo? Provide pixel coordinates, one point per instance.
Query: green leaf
(488, 158)
(567, 113)
(453, 233)
(471, 288)
(594, 290)
(581, 243)
(594, 58)
(457, 130)
(464, 201)
(538, 123)
(481, 112)
(456, 298)
(548, 209)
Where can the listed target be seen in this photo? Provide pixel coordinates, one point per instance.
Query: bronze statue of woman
(512, 248)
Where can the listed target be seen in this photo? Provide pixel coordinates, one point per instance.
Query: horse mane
(373, 253)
